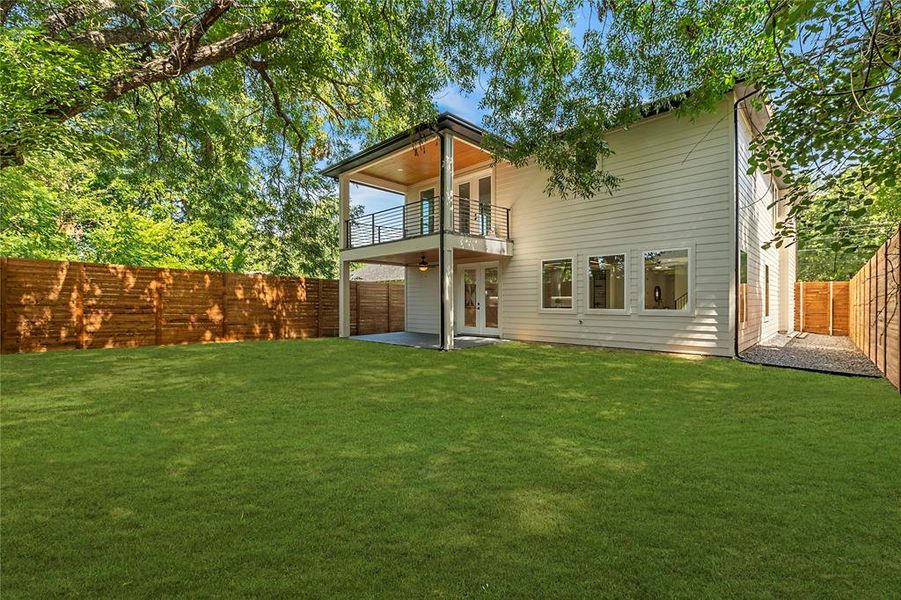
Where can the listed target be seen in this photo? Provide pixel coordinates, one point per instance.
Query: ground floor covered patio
(431, 341)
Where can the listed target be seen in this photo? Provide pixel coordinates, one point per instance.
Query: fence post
(874, 316)
(280, 309)
(225, 306)
(802, 307)
(831, 307)
(319, 308)
(158, 308)
(885, 307)
(79, 308)
(388, 289)
(357, 285)
(3, 302)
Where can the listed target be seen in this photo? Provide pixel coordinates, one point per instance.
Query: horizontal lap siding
(50, 305)
(423, 303)
(676, 191)
(756, 229)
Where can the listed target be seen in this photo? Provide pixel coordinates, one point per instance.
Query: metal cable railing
(411, 220)
(480, 218)
(420, 218)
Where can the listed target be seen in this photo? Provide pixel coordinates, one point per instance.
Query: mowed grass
(343, 468)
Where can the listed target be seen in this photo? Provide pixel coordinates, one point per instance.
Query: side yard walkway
(836, 354)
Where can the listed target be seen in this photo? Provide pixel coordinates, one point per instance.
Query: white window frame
(541, 307)
(434, 204)
(690, 305)
(608, 311)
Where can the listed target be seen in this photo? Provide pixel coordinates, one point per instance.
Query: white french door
(478, 298)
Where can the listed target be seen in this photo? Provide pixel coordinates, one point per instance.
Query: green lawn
(334, 467)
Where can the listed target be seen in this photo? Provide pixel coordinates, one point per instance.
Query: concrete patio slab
(430, 341)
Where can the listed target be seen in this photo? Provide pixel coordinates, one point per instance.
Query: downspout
(737, 249)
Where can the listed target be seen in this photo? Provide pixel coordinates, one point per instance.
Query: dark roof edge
(444, 122)
(470, 132)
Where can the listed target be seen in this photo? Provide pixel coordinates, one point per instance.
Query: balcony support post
(445, 254)
(344, 266)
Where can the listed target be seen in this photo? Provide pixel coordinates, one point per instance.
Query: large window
(666, 280)
(607, 282)
(557, 283)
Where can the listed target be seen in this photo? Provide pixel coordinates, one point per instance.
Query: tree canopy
(191, 132)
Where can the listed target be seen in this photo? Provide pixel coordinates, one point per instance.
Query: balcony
(471, 218)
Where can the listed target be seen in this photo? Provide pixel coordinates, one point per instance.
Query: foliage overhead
(842, 227)
(836, 83)
(214, 114)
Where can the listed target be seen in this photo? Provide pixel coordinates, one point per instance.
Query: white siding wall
(755, 229)
(677, 192)
(787, 274)
(422, 302)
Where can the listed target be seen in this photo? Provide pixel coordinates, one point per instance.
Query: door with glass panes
(472, 212)
(478, 287)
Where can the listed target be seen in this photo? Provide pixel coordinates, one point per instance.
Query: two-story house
(671, 261)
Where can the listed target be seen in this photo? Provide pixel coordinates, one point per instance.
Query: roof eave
(444, 122)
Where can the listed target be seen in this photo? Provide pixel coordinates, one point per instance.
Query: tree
(842, 227)
(232, 105)
(836, 81)
(225, 107)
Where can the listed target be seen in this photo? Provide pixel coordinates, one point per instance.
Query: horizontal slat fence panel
(875, 324)
(50, 305)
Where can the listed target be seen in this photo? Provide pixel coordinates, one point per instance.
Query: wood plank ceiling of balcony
(422, 162)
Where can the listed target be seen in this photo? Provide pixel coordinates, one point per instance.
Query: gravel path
(821, 352)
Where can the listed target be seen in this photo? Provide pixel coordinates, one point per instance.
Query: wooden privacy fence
(49, 305)
(822, 307)
(875, 312)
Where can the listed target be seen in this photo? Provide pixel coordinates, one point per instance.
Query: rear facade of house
(670, 261)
